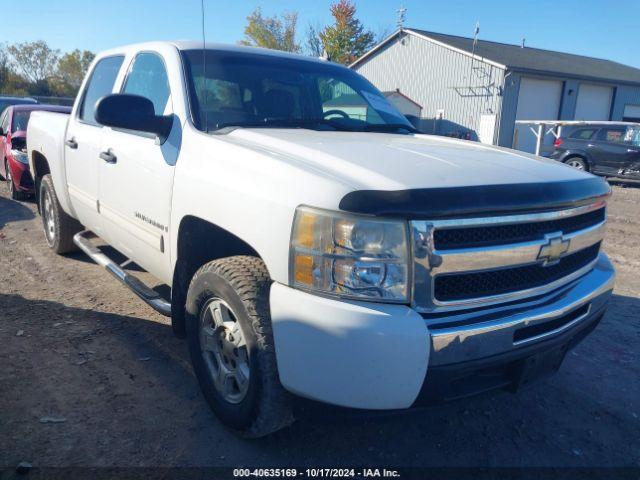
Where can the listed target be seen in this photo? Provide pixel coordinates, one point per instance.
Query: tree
(10, 82)
(36, 60)
(314, 44)
(5, 68)
(277, 33)
(346, 39)
(73, 66)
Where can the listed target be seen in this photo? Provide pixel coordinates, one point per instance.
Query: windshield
(20, 120)
(235, 89)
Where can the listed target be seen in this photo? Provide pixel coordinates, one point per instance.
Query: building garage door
(631, 113)
(537, 100)
(594, 102)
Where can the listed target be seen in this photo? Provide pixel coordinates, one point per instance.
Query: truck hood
(383, 161)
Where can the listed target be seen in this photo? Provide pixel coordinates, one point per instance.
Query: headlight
(20, 156)
(350, 256)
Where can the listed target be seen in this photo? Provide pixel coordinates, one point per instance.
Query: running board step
(149, 296)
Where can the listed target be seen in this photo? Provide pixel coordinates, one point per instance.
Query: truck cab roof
(198, 45)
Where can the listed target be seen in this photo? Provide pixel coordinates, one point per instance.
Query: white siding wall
(428, 73)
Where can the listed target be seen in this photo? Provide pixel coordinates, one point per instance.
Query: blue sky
(599, 28)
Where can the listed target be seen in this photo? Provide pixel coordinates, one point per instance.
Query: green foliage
(72, 67)
(277, 33)
(346, 39)
(33, 68)
(35, 60)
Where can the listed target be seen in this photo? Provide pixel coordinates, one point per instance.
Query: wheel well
(40, 169)
(199, 242)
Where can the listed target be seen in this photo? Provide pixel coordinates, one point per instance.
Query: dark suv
(612, 150)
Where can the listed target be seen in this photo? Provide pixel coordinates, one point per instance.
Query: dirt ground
(90, 376)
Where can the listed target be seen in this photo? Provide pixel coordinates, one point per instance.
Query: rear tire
(13, 191)
(59, 228)
(230, 340)
(578, 163)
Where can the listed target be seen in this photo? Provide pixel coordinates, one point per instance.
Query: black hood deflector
(485, 200)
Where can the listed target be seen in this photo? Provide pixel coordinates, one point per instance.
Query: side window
(613, 135)
(100, 84)
(583, 134)
(148, 78)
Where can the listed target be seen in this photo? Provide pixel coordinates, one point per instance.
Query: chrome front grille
(469, 237)
(461, 286)
(472, 262)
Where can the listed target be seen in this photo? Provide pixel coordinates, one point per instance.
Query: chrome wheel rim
(576, 164)
(224, 350)
(48, 218)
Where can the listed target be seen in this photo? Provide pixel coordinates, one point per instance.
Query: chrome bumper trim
(479, 339)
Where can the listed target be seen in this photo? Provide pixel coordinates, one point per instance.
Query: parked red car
(14, 164)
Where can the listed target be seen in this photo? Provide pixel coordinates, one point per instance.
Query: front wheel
(231, 345)
(59, 228)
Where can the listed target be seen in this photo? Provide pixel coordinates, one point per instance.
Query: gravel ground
(90, 376)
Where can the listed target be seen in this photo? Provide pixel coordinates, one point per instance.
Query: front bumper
(380, 356)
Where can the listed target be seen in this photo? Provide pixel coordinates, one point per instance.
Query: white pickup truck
(315, 244)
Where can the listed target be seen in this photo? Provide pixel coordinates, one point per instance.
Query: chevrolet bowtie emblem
(555, 247)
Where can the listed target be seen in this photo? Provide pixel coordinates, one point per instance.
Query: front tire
(59, 228)
(231, 345)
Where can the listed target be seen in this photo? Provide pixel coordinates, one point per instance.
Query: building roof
(398, 92)
(536, 60)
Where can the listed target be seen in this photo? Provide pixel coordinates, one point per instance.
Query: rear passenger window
(100, 84)
(614, 135)
(148, 78)
(583, 134)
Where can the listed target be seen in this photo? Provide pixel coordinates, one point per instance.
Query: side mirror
(132, 112)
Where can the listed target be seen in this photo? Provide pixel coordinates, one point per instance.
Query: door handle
(108, 156)
(71, 143)
(631, 150)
